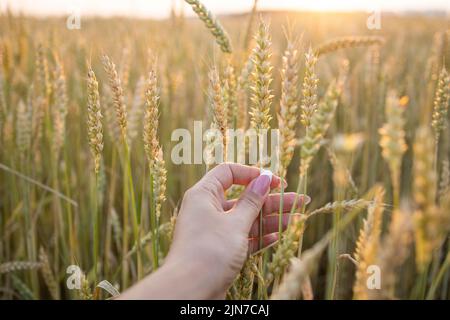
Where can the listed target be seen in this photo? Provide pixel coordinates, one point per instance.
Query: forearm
(177, 280)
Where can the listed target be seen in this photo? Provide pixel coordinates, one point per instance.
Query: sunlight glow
(161, 8)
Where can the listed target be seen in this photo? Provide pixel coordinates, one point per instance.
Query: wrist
(195, 277)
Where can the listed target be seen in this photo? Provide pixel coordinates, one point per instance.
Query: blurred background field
(44, 69)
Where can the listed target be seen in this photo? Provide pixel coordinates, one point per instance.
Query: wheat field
(86, 174)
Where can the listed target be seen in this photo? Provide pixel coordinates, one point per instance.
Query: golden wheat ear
(94, 119)
(212, 24)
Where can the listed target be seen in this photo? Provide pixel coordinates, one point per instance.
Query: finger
(227, 174)
(250, 203)
(271, 224)
(272, 203)
(268, 239)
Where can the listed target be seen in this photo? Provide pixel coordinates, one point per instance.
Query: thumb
(250, 203)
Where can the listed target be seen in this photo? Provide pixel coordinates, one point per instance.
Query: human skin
(213, 235)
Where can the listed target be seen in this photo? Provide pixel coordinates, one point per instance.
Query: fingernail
(306, 199)
(261, 185)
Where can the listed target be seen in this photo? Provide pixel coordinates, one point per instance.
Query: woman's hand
(213, 236)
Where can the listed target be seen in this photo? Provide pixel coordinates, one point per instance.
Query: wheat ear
(347, 42)
(441, 100)
(212, 24)
(392, 140)
(153, 150)
(94, 119)
(317, 128)
(11, 266)
(309, 88)
(117, 94)
(60, 106)
(367, 245)
(47, 274)
(220, 117)
(261, 79)
(287, 119)
(230, 95)
(430, 221)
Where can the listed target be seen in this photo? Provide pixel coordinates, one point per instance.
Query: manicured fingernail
(306, 199)
(261, 185)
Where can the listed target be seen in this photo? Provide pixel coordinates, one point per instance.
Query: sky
(161, 8)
